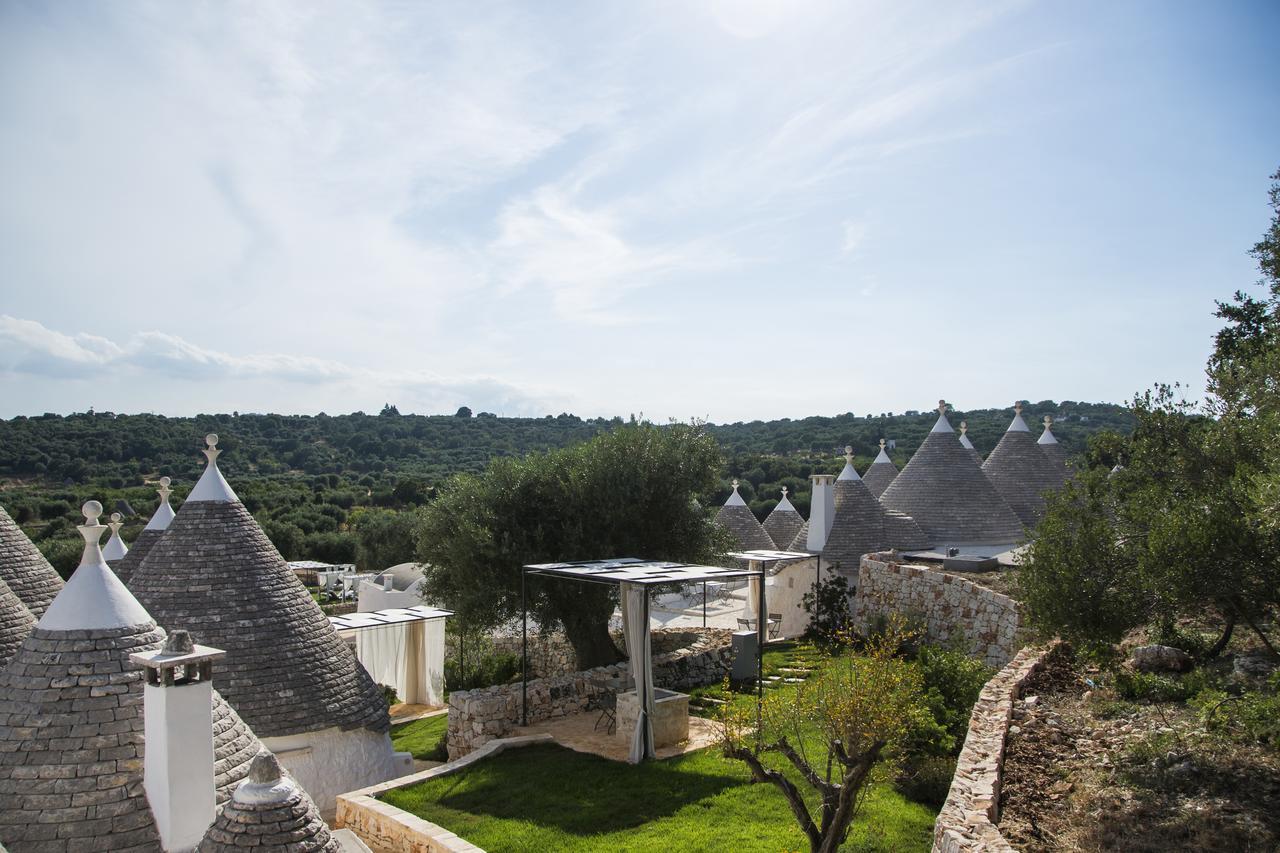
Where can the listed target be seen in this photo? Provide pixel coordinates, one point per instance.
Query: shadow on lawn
(580, 794)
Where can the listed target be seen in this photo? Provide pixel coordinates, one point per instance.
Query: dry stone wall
(953, 610)
(704, 656)
(967, 822)
(552, 654)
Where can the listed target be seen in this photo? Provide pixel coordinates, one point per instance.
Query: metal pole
(462, 653)
(648, 686)
(704, 604)
(524, 653)
(763, 625)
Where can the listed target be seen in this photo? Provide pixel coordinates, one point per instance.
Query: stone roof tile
(25, 569)
(949, 497)
(287, 671)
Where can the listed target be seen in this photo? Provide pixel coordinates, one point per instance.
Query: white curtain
(381, 651)
(433, 654)
(635, 628)
(408, 656)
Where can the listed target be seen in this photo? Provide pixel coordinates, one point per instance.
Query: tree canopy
(1189, 526)
(629, 492)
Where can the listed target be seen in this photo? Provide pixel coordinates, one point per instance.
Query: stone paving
(579, 733)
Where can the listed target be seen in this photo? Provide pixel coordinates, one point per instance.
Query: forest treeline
(315, 481)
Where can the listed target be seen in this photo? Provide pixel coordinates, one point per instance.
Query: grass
(551, 798)
(423, 738)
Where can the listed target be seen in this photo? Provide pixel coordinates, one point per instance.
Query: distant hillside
(308, 479)
(118, 450)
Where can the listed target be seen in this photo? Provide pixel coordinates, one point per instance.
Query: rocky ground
(1086, 771)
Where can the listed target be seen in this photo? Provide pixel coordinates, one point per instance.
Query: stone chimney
(178, 772)
(822, 511)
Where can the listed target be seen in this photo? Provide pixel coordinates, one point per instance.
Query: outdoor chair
(775, 625)
(745, 624)
(604, 700)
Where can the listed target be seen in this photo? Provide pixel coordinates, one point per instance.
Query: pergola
(412, 659)
(644, 575)
(770, 561)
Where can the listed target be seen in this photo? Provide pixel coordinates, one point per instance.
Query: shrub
(952, 682)
(926, 779)
(1167, 633)
(1251, 717)
(484, 668)
(830, 619)
(1151, 687)
(389, 694)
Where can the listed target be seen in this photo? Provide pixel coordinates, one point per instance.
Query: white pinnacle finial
(164, 513)
(848, 453)
(1048, 421)
(1017, 408)
(115, 548)
(94, 597)
(92, 532)
(735, 499)
(211, 486)
(942, 407)
(211, 452)
(964, 427)
(784, 492)
(882, 444)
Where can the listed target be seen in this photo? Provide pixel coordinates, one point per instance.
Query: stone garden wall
(967, 822)
(703, 656)
(552, 654)
(952, 609)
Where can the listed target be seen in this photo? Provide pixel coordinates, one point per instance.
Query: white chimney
(178, 764)
(822, 511)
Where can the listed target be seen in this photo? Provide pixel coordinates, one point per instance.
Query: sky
(725, 210)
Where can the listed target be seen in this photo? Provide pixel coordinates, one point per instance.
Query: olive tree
(627, 492)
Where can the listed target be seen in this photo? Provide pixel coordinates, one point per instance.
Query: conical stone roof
(783, 522)
(860, 524)
(215, 573)
(948, 495)
(16, 623)
(736, 517)
(71, 721)
(1053, 451)
(1020, 471)
(880, 473)
(25, 569)
(269, 813)
(149, 536)
(967, 444)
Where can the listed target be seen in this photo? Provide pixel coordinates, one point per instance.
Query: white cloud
(28, 347)
(581, 257)
(854, 235)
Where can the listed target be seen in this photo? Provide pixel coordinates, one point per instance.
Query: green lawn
(423, 738)
(551, 798)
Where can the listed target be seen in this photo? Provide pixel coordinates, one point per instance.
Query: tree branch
(836, 824)
(784, 747)
(795, 799)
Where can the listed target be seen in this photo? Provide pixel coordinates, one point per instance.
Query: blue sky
(738, 210)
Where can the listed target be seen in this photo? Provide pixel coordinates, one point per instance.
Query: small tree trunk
(1216, 648)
